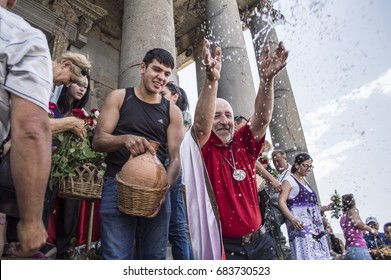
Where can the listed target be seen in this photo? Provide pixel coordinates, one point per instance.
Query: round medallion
(239, 174)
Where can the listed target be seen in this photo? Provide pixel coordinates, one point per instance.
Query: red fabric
(237, 200)
(82, 227)
(52, 223)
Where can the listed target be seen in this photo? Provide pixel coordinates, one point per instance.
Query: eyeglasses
(307, 166)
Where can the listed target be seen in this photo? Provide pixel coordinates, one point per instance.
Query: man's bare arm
(206, 104)
(30, 165)
(269, 66)
(175, 134)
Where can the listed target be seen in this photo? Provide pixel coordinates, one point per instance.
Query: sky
(339, 68)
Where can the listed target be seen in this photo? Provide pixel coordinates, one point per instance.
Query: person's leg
(117, 229)
(357, 253)
(178, 235)
(66, 226)
(152, 234)
(2, 232)
(262, 248)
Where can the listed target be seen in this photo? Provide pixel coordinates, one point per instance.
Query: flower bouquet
(337, 205)
(76, 168)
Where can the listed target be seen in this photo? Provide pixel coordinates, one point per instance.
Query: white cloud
(332, 158)
(331, 119)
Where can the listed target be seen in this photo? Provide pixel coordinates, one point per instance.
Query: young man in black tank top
(129, 119)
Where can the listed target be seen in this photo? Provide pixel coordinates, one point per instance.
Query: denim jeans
(261, 249)
(357, 253)
(178, 232)
(121, 233)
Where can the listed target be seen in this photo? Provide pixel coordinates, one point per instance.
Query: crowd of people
(213, 208)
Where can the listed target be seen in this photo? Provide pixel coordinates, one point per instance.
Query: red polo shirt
(237, 201)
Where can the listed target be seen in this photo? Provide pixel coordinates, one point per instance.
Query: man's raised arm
(269, 66)
(206, 104)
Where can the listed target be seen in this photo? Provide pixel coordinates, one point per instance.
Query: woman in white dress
(299, 204)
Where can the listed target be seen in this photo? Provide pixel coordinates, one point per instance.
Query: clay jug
(142, 184)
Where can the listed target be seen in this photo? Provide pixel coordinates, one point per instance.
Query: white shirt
(25, 66)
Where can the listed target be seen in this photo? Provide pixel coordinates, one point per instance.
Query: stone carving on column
(79, 12)
(60, 45)
(197, 8)
(88, 13)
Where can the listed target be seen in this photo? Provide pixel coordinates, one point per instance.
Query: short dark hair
(299, 159)
(386, 225)
(161, 55)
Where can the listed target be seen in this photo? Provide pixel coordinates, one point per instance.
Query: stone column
(285, 128)
(144, 29)
(225, 30)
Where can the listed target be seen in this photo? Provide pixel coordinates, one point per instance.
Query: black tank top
(142, 119)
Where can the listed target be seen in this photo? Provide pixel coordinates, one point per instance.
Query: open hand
(212, 65)
(270, 65)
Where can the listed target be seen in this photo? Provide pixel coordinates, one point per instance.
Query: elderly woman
(299, 204)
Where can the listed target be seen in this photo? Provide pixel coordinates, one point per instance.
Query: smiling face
(154, 76)
(223, 123)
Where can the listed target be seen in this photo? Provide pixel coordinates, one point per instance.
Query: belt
(246, 239)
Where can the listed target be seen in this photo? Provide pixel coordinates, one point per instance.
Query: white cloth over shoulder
(203, 218)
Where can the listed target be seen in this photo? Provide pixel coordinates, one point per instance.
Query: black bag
(271, 213)
(8, 202)
(264, 199)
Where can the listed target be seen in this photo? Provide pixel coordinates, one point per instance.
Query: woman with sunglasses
(299, 204)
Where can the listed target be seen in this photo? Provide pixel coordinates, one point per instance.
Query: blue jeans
(357, 253)
(121, 233)
(178, 233)
(261, 249)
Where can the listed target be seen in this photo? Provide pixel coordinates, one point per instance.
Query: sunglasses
(83, 71)
(307, 166)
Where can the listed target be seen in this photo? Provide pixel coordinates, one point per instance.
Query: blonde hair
(80, 65)
(267, 147)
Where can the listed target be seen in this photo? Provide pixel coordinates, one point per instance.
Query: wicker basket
(138, 200)
(85, 185)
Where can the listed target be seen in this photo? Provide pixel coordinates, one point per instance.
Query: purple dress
(311, 242)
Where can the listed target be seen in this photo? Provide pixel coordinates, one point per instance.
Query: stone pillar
(225, 30)
(200, 68)
(285, 128)
(144, 29)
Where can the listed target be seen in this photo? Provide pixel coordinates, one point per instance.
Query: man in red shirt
(230, 157)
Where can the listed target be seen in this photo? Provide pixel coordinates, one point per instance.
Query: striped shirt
(25, 66)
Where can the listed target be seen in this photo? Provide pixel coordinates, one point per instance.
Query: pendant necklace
(238, 174)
